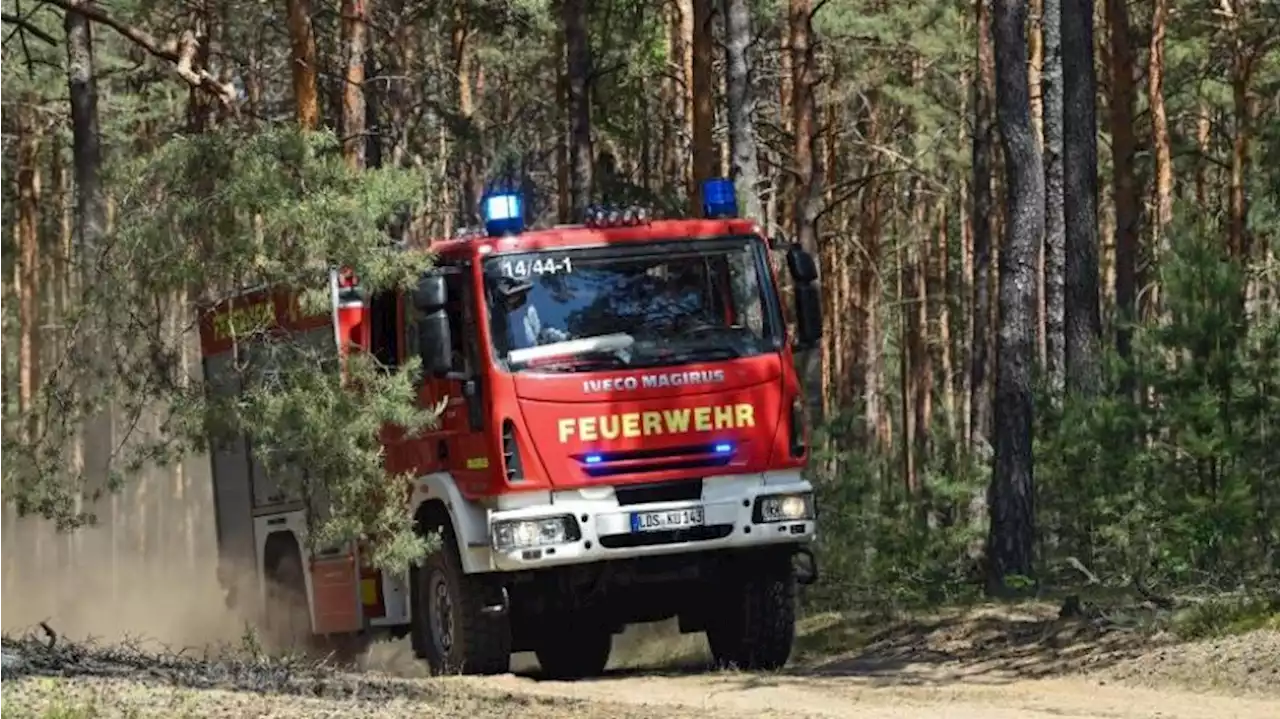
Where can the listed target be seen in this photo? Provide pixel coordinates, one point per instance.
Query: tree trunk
(1035, 68)
(1243, 63)
(983, 153)
(808, 182)
(682, 49)
(870, 227)
(1055, 227)
(744, 162)
(467, 145)
(355, 15)
(1011, 541)
(946, 360)
(1123, 156)
(1204, 128)
(29, 275)
(705, 154)
(579, 74)
(564, 208)
(1081, 320)
(302, 43)
(1159, 122)
(90, 230)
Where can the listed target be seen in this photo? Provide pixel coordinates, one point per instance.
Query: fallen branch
(181, 53)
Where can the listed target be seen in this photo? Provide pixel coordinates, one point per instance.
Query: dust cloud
(145, 572)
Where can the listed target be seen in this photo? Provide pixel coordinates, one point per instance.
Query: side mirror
(435, 343)
(808, 315)
(430, 294)
(803, 269)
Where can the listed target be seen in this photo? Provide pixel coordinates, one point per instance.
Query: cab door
(462, 445)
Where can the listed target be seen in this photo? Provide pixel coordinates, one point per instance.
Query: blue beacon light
(593, 459)
(718, 198)
(503, 213)
(723, 448)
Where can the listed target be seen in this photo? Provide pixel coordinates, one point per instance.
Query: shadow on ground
(991, 644)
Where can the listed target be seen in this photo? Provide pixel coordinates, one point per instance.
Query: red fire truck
(622, 441)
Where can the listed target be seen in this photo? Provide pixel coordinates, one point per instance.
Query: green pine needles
(200, 218)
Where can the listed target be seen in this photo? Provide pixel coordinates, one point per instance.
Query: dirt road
(848, 697)
(990, 664)
(987, 663)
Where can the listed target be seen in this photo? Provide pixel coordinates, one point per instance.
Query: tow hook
(806, 572)
(499, 609)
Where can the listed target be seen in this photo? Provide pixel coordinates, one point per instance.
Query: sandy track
(992, 663)
(847, 697)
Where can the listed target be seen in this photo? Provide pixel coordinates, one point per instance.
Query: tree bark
(1124, 185)
(579, 73)
(1055, 219)
(90, 226)
(808, 182)
(983, 153)
(29, 275)
(1011, 541)
(564, 207)
(302, 43)
(744, 160)
(354, 28)
(1082, 322)
(1159, 122)
(705, 154)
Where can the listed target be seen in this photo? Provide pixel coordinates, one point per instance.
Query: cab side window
(461, 319)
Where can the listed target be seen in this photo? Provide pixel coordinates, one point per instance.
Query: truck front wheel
(456, 632)
(755, 626)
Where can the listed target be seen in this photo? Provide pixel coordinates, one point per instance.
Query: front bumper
(605, 533)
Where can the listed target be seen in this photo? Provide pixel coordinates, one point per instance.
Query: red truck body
(618, 466)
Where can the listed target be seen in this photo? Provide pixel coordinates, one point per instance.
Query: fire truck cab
(622, 440)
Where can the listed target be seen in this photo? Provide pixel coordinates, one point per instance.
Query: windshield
(659, 304)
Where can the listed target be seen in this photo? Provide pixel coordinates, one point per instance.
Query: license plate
(667, 519)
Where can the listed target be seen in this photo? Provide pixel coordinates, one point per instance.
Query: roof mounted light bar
(600, 216)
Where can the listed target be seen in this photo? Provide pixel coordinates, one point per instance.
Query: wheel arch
(277, 546)
(435, 501)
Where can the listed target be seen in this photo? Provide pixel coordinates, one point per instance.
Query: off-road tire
(756, 626)
(479, 642)
(417, 630)
(575, 653)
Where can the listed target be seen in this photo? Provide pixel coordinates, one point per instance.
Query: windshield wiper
(695, 354)
(603, 358)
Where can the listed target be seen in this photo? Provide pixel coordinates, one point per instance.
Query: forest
(1047, 232)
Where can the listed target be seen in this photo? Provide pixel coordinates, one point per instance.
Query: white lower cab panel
(590, 525)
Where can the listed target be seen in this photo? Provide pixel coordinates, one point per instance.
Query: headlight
(511, 534)
(784, 507)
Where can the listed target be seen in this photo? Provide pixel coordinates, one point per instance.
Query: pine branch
(25, 26)
(181, 54)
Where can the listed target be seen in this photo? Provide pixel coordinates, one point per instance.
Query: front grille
(611, 464)
(678, 491)
(670, 536)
